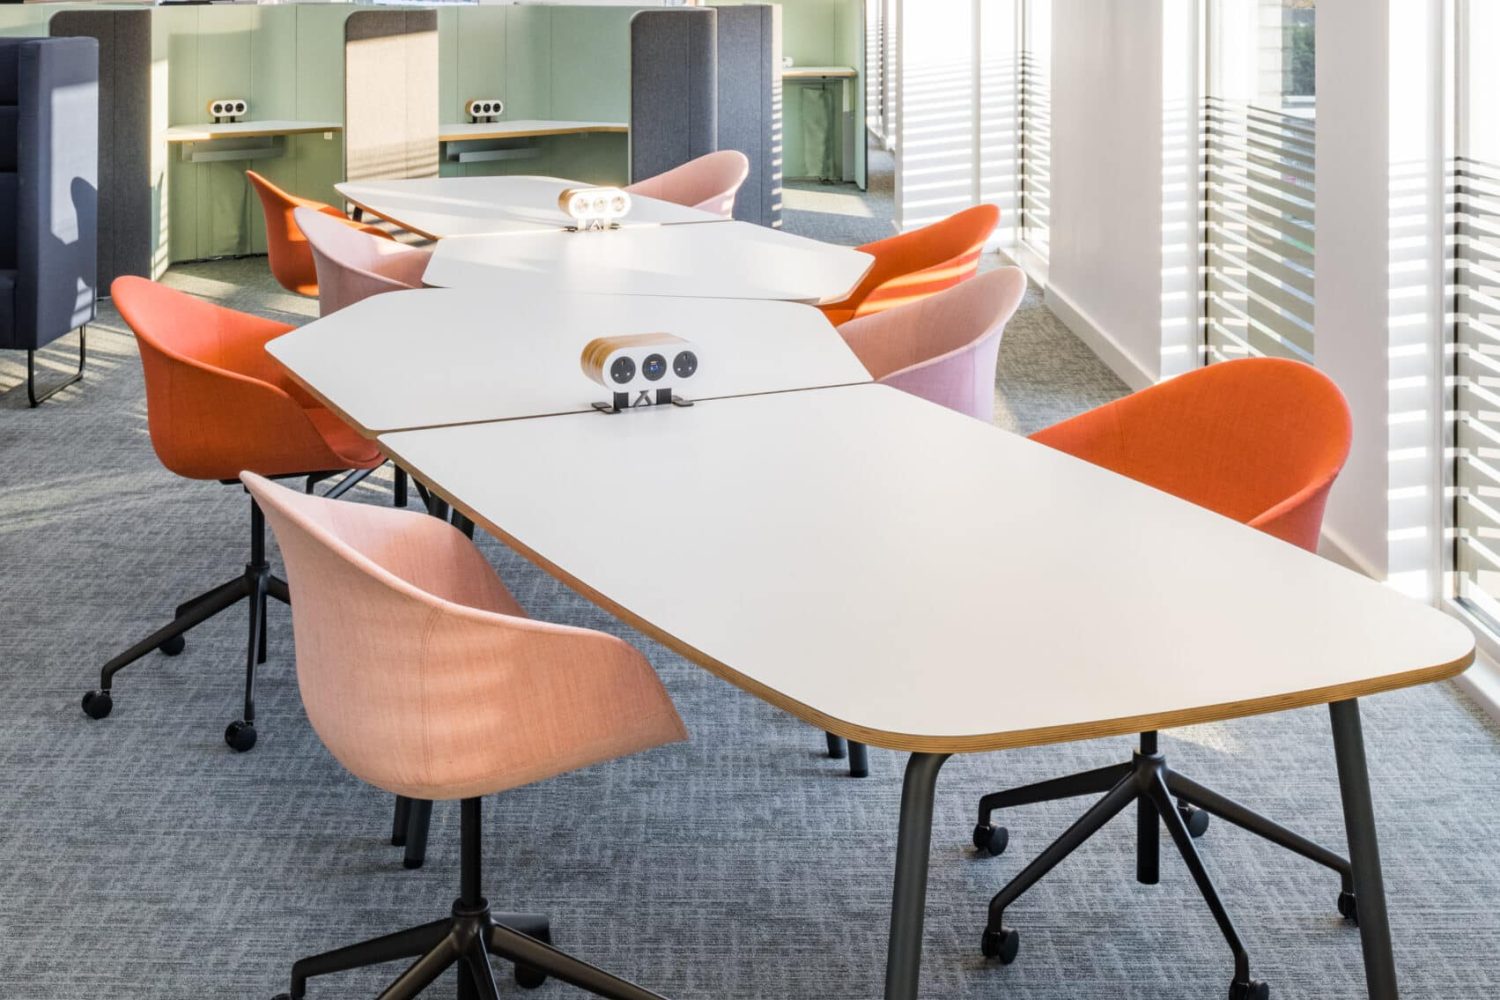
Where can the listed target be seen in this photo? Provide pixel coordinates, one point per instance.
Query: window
(1259, 141)
(1475, 192)
(1035, 104)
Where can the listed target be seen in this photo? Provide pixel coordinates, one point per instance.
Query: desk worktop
(818, 72)
(909, 577)
(207, 132)
(524, 128)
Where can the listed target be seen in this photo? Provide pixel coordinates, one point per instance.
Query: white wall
(1104, 275)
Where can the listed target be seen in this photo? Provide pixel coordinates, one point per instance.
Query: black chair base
(36, 399)
(470, 936)
(1147, 782)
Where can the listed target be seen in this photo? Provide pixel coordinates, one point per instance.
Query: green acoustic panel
(390, 94)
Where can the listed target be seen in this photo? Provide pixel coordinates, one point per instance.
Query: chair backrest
(943, 347)
(420, 672)
(216, 402)
(49, 178)
(286, 247)
(1260, 440)
(910, 266)
(352, 265)
(708, 183)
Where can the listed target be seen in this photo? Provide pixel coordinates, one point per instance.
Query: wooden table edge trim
(973, 743)
(393, 221)
(533, 133)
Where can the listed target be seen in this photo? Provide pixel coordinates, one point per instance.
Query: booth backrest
(49, 163)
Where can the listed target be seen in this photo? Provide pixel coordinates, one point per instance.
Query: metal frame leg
(399, 491)
(859, 760)
(1364, 851)
(410, 943)
(420, 818)
(836, 749)
(31, 393)
(424, 971)
(400, 821)
(903, 962)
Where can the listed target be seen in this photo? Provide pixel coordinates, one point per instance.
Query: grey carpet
(142, 859)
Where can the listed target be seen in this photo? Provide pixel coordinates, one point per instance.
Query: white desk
(246, 130)
(434, 357)
(440, 207)
(525, 129)
(905, 576)
(728, 260)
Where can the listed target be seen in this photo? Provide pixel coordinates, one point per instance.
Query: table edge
(968, 743)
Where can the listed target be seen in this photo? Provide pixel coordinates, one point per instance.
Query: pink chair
(708, 183)
(353, 265)
(943, 347)
(424, 677)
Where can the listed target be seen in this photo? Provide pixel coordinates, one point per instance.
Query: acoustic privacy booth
(49, 164)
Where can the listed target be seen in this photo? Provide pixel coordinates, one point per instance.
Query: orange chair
(216, 404)
(424, 677)
(1258, 440)
(914, 265)
(290, 256)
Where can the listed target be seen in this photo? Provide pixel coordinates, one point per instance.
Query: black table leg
(1364, 853)
(903, 961)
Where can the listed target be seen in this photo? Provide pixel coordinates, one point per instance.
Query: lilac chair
(353, 265)
(944, 347)
(709, 183)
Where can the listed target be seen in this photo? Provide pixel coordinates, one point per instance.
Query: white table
(904, 576)
(728, 260)
(434, 357)
(440, 207)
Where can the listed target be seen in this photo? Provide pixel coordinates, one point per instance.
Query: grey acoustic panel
(673, 88)
(749, 61)
(390, 94)
(124, 38)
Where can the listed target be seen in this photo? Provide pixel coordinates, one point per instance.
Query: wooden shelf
(246, 130)
(525, 129)
(819, 73)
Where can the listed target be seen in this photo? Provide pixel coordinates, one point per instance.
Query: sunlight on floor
(832, 201)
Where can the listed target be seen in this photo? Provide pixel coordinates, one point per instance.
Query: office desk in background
(441, 207)
(234, 140)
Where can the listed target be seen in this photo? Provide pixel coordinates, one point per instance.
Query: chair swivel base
(255, 584)
(470, 936)
(1162, 797)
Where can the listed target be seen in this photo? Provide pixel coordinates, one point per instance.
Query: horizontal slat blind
(1036, 123)
(1475, 194)
(1259, 242)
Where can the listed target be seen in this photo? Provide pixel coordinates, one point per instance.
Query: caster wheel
(991, 839)
(528, 977)
(1195, 818)
(240, 736)
(1348, 909)
(173, 646)
(97, 704)
(1255, 989)
(1002, 944)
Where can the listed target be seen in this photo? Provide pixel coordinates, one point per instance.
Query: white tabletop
(523, 128)
(440, 207)
(207, 132)
(438, 356)
(902, 574)
(730, 260)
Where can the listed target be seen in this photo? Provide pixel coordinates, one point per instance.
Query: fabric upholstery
(422, 675)
(1260, 440)
(923, 262)
(748, 51)
(216, 402)
(943, 347)
(353, 265)
(708, 183)
(286, 247)
(49, 125)
(674, 88)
